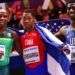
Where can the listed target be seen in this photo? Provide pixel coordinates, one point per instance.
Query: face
(3, 18)
(72, 13)
(27, 21)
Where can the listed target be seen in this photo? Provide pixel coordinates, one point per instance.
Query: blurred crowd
(58, 10)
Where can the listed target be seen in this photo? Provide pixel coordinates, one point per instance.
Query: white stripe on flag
(51, 36)
(54, 68)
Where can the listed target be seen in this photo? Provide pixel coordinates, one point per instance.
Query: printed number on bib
(31, 54)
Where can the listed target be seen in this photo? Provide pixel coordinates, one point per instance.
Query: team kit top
(70, 39)
(6, 42)
(34, 53)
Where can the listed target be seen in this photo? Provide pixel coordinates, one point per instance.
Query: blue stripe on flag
(53, 50)
(46, 38)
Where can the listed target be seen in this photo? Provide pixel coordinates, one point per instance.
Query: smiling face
(4, 16)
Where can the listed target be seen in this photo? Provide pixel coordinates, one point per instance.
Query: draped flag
(57, 62)
(55, 24)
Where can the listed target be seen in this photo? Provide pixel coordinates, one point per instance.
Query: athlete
(68, 32)
(8, 40)
(33, 47)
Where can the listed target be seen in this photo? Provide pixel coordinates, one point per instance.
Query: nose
(71, 10)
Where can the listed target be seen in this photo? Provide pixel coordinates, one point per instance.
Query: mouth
(1, 22)
(25, 22)
(72, 13)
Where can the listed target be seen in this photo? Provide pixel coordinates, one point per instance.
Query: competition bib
(2, 52)
(31, 54)
(5, 49)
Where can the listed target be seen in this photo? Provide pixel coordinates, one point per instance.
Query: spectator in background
(63, 14)
(14, 20)
(39, 14)
(42, 14)
(54, 14)
(46, 16)
(16, 8)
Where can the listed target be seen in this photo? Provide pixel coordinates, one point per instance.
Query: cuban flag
(57, 61)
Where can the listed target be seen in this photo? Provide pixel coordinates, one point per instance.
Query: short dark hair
(29, 11)
(70, 5)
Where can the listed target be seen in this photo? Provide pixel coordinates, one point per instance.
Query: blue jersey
(70, 39)
(70, 36)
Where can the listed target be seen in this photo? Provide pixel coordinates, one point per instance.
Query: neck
(30, 29)
(2, 29)
(73, 24)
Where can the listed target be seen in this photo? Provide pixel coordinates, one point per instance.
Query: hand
(66, 49)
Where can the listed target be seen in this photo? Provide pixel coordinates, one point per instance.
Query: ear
(35, 20)
(9, 16)
(21, 21)
(9, 12)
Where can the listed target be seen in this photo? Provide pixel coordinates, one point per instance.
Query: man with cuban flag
(43, 53)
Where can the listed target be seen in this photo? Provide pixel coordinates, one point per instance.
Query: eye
(5, 16)
(2, 15)
(27, 18)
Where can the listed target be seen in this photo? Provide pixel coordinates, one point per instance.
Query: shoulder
(12, 32)
(64, 27)
(62, 31)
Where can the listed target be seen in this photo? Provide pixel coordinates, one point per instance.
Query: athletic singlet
(33, 49)
(6, 34)
(70, 39)
(5, 46)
